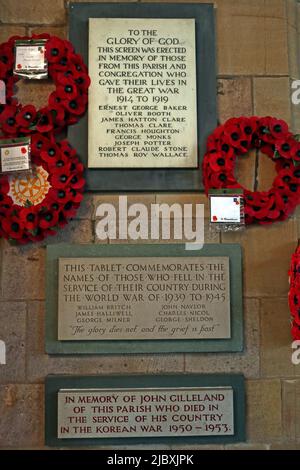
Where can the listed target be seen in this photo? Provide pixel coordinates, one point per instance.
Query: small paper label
(15, 158)
(2, 92)
(30, 58)
(225, 209)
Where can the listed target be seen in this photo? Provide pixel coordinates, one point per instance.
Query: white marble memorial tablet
(145, 412)
(142, 98)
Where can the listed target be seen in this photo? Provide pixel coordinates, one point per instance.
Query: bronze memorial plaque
(142, 98)
(119, 298)
(145, 412)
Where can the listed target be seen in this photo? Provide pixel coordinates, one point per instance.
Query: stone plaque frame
(55, 383)
(176, 179)
(54, 346)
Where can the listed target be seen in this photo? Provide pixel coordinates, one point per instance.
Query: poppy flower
(233, 134)
(59, 195)
(286, 201)
(26, 116)
(295, 331)
(248, 126)
(218, 163)
(58, 115)
(54, 99)
(267, 149)
(4, 184)
(69, 209)
(38, 144)
(13, 227)
(77, 182)
(221, 180)
(3, 70)
(67, 149)
(8, 120)
(82, 80)
(67, 89)
(236, 138)
(76, 196)
(5, 203)
(78, 63)
(55, 49)
(45, 121)
(50, 152)
(284, 179)
(295, 151)
(278, 128)
(48, 219)
(6, 55)
(60, 179)
(284, 147)
(29, 217)
(75, 106)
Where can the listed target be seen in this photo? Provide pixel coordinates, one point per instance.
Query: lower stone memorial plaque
(146, 412)
(159, 296)
(141, 407)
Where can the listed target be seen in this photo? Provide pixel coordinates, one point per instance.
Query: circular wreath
(272, 137)
(65, 105)
(35, 206)
(294, 293)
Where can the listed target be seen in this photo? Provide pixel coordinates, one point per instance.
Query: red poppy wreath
(33, 207)
(65, 105)
(273, 138)
(294, 293)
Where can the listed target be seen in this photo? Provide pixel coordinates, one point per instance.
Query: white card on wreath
(225, 209)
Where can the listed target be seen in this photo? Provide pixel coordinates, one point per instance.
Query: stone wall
(257, 58)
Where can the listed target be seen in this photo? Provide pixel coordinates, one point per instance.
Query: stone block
(113, 199)
(290, 409)
(234, 97)
(13, 333)
(276, 47)
(77, 231)
(35, 92)
(85, 210)
(8, 30)
(246, 362)
(276, 340)
(25, 12)
(294, 71)
(182, 198)
(266, 257)
(59, 31)
(245, 169)
(240, 42)
(291, 10)
(276, 8)
(23, 276)
(266, 172)
(272, 97)
(263, 410)
(22, 416)
(285, 445)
